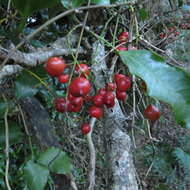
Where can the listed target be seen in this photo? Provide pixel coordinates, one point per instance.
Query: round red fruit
(60, 104)
(85, 128)
(96, 112)
(152, 113)
(109, 98)
(98, 100)
(118, 76)
(102, 91)
(76, 101)
(123, 84)
(63, 78)
(111, 86)
(123, 37)
(83, 69)
(80, 86)
(121, 95)
(121, 48)
(55, 66)
(73, 108)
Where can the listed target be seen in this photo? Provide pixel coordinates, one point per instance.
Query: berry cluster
(170, 32)
(80, 87)
(123, 38)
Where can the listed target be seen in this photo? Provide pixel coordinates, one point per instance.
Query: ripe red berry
(73, 108)
(85, 128)
(163, 35)
(55, 66)
(63, 78)
(98, 100)
(109, 98)
(121, 95)
(111, 86)
(152, 113)
(80, 86)
(123, 37)
(118, 76)
(60, 104)
(76, 101)
(96, 112)
(122, 48)
(83, 69)
(123, 84)
(102, 91)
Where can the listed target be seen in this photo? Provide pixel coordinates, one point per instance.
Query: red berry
(55, 66)
(152, 113)
(162, 35)
(123, 84)
(60, 104)
(109, 98)
(102, 91)
(96, 112)
(73, 108)
(118, 76)
(83, 69)
(111, 86)
(63, 78)
(123, 37)
(121, 95)
(144, 86)
(121, 48)
(111, 105)
(76, 101)
(98, 100)
(85, 128)
(80, 86)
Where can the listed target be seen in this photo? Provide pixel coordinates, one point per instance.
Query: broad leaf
(164, 82)
(27, 7)
(25, 85)
(56, 160)
(101, 2)
(72, 3)
(35, 175)
(15, 133)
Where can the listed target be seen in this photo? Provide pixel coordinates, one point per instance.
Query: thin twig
(91, 174)
(61, 15)
(7, 149)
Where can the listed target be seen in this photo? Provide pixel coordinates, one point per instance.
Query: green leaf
(143, 14)
(25, 85)
(27, 7)
(72, 3)
(35, 175)
(164, 82)
(56, 160)
(101, 2)
(3, 106)
(15, 134)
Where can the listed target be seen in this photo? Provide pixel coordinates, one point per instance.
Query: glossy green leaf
(25, 85)
(143, 14)
(101, 2)
(15, 134)
(71, 3)
(27, 7)
(164, 82)
(35, 175)
(56, 160)
(3, 106)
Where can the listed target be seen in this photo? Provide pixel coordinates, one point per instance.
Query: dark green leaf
(56, 160)
(15, 134)
(35, 175)
(3, 106)
(27, 7)
(165, 83)
(25, 85)
(72, 3)
(143, 14)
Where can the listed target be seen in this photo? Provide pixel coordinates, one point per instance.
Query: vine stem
(91, 174)
(7, 149)
(61, 15)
